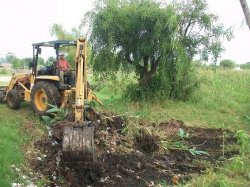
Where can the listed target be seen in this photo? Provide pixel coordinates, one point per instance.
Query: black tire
(13, 99)
(2, 96)
(43, 93)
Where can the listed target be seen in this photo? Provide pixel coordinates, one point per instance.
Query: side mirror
(39, 50)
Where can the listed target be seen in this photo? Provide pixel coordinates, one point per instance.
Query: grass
(223, 101)
(13, 139)
(10, 146)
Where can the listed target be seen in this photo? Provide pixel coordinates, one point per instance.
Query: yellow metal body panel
(27, 95)
(15, 81)
(47, 77)
(65, 97)
(81, 79)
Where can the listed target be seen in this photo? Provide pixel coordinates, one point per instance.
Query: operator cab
(49, 71)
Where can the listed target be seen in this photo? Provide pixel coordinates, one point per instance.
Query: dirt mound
(142, 160)
(146, 142)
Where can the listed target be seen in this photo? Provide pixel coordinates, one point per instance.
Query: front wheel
(42, 94)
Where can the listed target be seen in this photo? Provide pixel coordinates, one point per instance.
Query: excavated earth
(156, 154)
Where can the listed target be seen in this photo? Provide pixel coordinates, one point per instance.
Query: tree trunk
(173, 91)
(146, 75)
(246, 11)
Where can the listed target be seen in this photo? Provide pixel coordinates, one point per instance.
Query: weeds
(182, 145)
(243, 141)
(54, 114)
(194, 152)
(182, 134)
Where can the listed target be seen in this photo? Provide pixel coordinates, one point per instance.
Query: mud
(141, 160)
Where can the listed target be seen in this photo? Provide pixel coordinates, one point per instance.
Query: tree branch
(188, 25)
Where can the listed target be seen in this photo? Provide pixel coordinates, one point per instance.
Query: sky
(23, 22)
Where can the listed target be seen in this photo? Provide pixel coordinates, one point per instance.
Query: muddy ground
(158, 154)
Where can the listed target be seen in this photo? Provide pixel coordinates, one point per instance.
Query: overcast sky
(23, 22)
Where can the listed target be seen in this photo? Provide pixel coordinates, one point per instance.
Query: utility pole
(246, 11)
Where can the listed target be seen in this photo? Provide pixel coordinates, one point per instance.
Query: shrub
(227, 64)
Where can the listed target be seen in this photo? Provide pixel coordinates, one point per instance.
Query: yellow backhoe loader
(48, 86)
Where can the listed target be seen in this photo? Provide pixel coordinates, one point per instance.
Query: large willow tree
(157, 41)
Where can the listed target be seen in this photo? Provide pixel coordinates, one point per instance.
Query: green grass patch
(222, 100)
(13, 140)
(4, 75)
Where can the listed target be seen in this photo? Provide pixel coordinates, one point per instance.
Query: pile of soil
(145, 159)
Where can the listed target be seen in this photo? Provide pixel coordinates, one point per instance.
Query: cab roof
(55, 43)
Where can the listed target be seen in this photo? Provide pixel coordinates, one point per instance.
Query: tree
(62, 34)
(157, 41)
(26, 62)
(245, 66)
(16, 62)
(9, 57)
(227, 64)
(41, 61)
(2, 60)
(50, 60)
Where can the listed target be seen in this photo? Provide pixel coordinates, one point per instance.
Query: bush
(245, 66)
(227, 64)
(117, 82)
(185, 85)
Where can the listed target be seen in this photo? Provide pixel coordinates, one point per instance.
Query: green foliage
(58, 31)
(18, 129)
(61, 34)
(182, 145)
(11, 152)
(40, 62)
(227, 64)
(198, 64)
(243, 140)
(50, 60)
(27, 61)
(16, 62)
(222, 99)
(245, 66)
(54, 115)
(133, 35)
(9, 57)
(4, 71)
(237, 164)
(194, 152)
(118, 82)
(182, 134)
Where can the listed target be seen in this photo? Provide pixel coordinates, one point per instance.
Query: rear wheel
(13, 99)
(42, 94)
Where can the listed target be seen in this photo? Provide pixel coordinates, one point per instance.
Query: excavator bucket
(78, 144)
